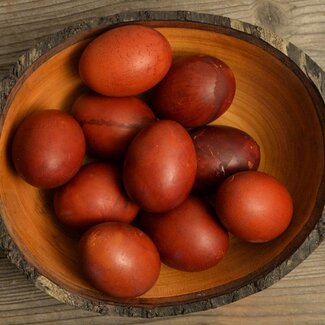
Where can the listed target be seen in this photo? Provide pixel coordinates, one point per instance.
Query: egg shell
(254, 206)
(125, 61)
(188, 237)
(110, 123)
(160, 166)
(222, 151)
(196, 91)
(94, 195)
(48, 148)
(119, 259)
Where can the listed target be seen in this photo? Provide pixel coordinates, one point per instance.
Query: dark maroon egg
(48, 148)
(160, 166)
(222, 151)
(188, 237)
(254, 206)
(195, 91)
(110, 123)
(125, 61)
(94, 195)
(119, 259)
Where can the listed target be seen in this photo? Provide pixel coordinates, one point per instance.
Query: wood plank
(299, 298)
(23, 23)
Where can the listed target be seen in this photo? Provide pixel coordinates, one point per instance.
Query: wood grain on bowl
(275, 103)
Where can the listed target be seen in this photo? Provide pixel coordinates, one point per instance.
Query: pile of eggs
(146, 196)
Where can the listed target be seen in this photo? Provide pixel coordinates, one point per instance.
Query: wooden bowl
(278, 102)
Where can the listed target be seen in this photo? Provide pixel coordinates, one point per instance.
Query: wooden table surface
(299, 298)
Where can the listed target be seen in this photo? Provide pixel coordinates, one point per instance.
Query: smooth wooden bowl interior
(271, 103)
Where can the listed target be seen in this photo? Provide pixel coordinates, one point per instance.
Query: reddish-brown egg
(254, 206)
(160, 166)
(119, 259)
(110, 123)
(125, 61)
(188, 237)
(222, 151)
(196, 91)
(94, 195)
(48, 148)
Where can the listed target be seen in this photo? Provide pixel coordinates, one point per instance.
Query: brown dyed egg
(160, 166)
(48, 148)
(196, 91)
(110, 123)
(254, 206)
(222, 151)
(188, 237)
(119, 259)
(125, 61)
(94, 195)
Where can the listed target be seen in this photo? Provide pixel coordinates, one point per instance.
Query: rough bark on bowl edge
(43, 48)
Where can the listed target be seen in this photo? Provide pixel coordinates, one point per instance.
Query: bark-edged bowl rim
(290, 55)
